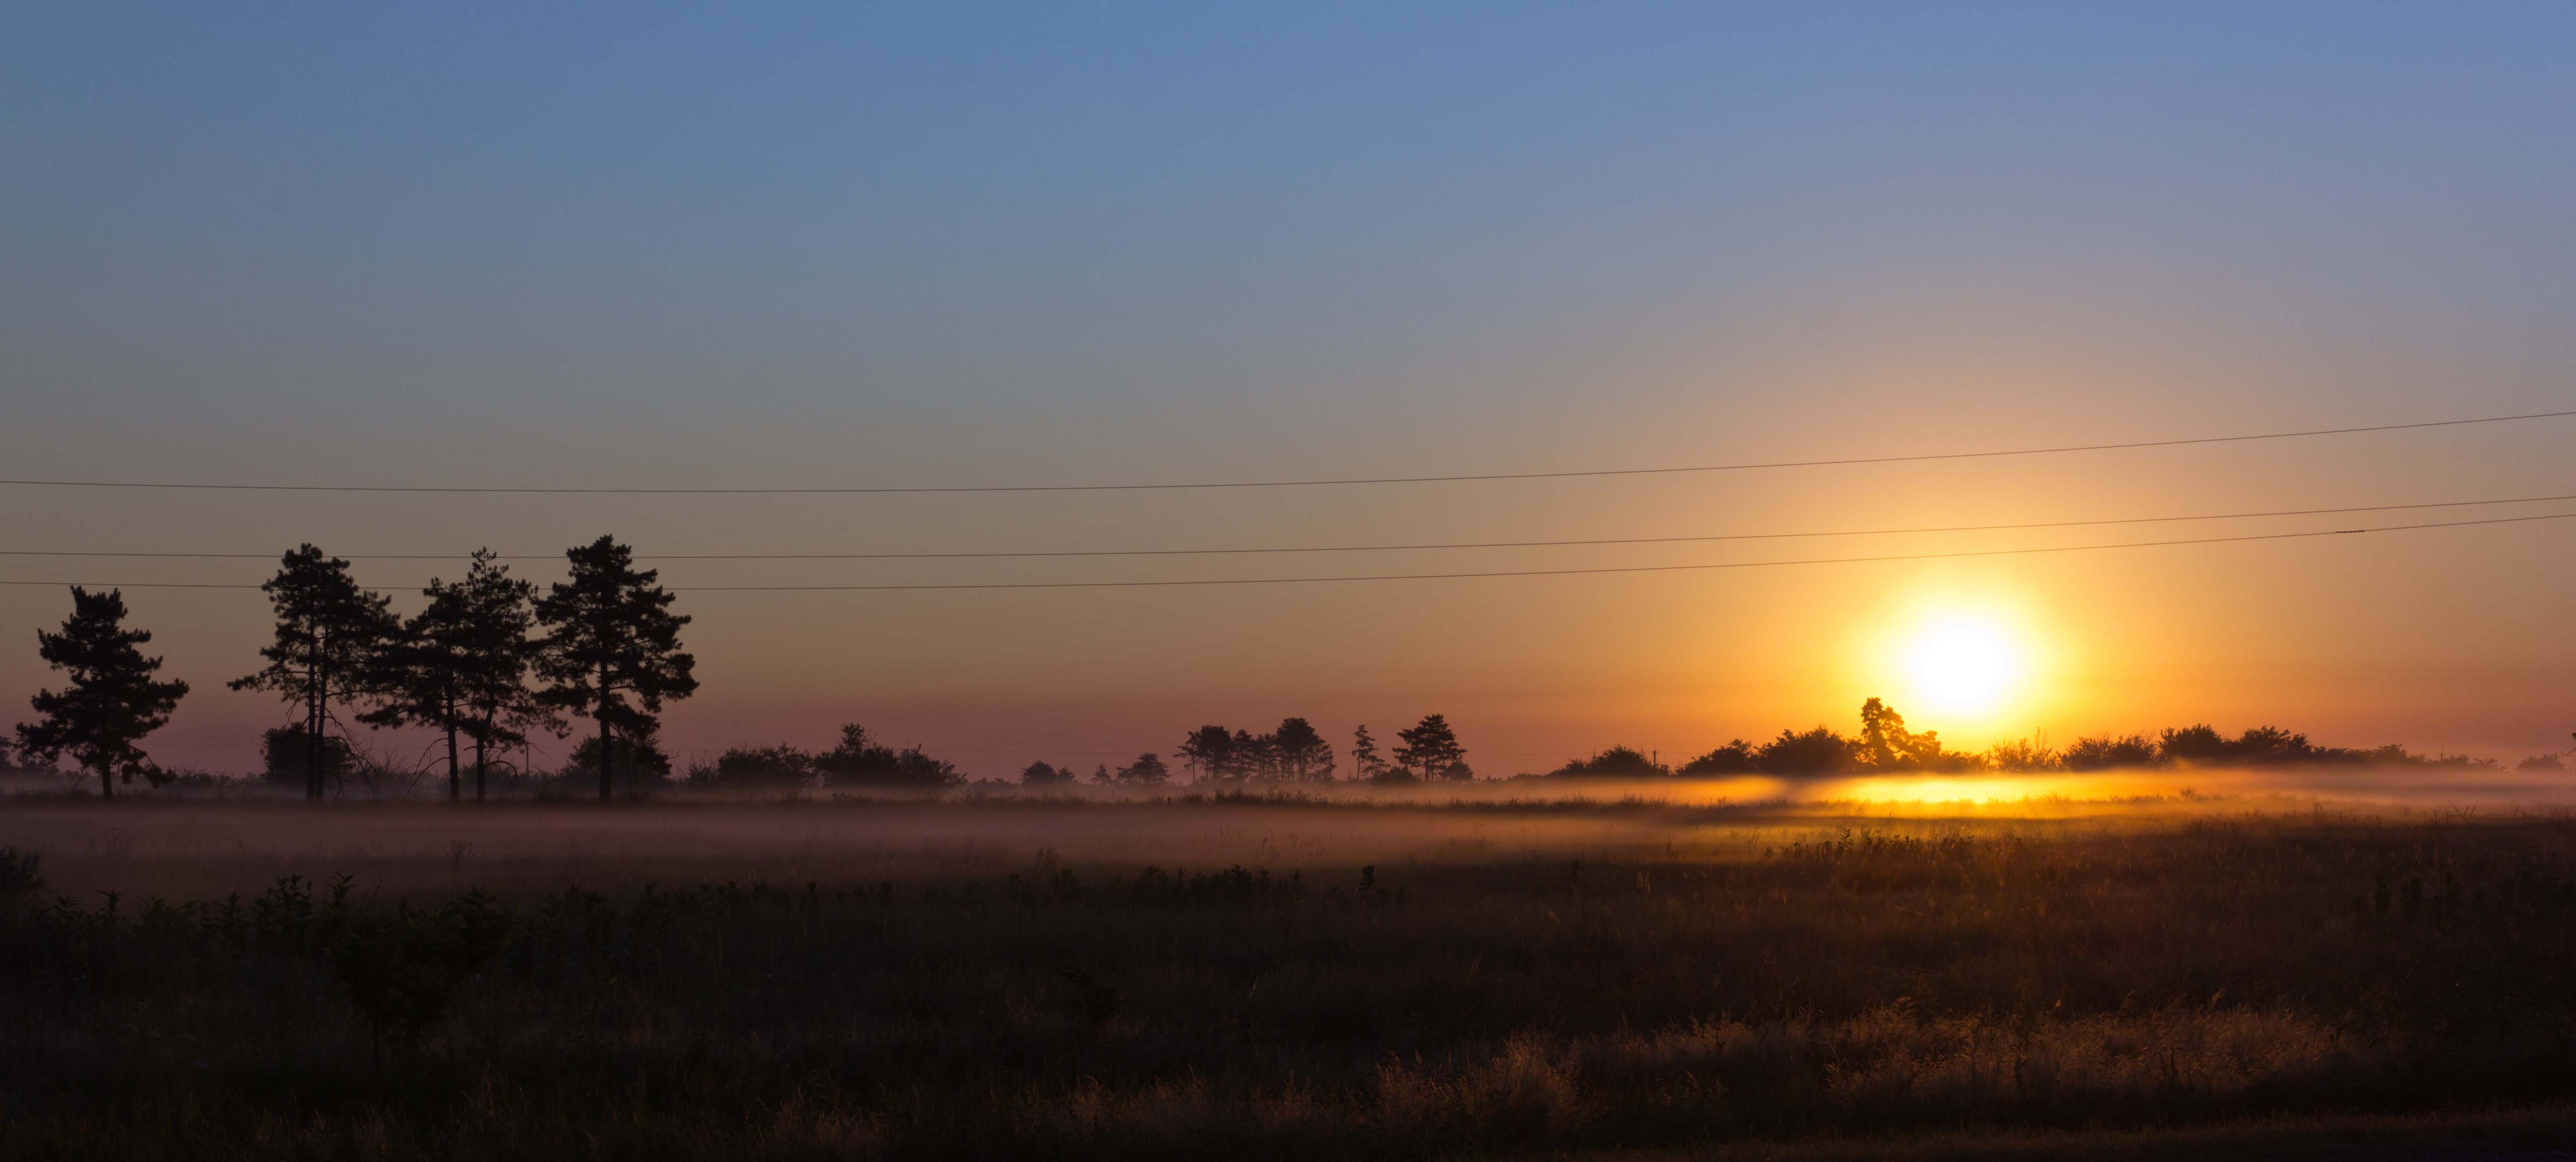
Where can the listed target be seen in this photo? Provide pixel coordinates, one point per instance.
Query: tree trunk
(313, 732)
(478, 763)
(457, 789)
(106, 785)
(604, 795)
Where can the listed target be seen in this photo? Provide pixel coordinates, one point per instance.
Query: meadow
(1270, 977)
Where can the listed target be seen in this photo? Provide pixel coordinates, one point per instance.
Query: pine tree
(1366, 762)
(328, 634)
(612, 651)
(1431, 749)
(112, 702)
(461, 667)
(1302, 753)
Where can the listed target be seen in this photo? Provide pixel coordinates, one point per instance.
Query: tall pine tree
(328, 634)
(612, 648)
(460, 667)
(112, 701)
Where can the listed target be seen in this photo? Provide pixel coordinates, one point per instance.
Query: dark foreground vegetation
(1808, 983)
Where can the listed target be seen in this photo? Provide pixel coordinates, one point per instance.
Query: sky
(659, 246)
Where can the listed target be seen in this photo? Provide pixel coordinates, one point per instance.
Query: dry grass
(928, 980)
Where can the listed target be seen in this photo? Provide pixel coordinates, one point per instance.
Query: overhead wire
(1376, 548)
(1463, 575)
(1293, 483)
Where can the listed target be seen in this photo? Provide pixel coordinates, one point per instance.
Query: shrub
(1797, 755)
(2102, 752)
(755, 768)
(1737, 757)
(1618, 762)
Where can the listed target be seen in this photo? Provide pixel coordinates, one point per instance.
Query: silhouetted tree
(460, 667)
(756, 768)
(2032, 754)
(112, 701)
(1805, 755)
(1735, 758)
(2102, 752)
(1252, 757)
(860, 761)
(2271, 745)
(1618, 762)
(612, 651)
(1366, 762)
(1207, 753)
(1302, 753)
(1147, 771)
(635, 756)
(327, 635)
(1430, 750)
(2198, 743)
(1044, 775)
(287, 758)
(1100, 774)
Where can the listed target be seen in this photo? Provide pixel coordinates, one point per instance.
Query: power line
(1308, 483)
(1463, 575)
(1381, 548)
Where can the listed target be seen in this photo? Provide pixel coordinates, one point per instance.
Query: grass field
(1282, 980)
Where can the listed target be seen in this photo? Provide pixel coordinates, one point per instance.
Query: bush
(1737, 757)
(860, 761)
(635, 763)
(2102, 752)
(1618, 762)
(1046, 775)
(20, 871)
(1805, 755)
(762, 768)
(286, 752)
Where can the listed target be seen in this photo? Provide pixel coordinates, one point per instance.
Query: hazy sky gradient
(618, 245)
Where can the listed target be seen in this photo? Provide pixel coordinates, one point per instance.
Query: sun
(1962, 665)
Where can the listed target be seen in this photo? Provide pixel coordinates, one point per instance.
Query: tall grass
(1828, 981)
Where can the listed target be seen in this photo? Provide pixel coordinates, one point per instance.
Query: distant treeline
(486, 661)
(1884, 745)
(489, 661)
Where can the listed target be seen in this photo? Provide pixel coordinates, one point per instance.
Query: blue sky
(627, 244)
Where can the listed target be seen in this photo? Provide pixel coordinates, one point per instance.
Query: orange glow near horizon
(1968, 660)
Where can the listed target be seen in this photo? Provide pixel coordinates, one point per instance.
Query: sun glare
(1962, 666)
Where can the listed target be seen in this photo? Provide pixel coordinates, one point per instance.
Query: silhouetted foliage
(1886, 745)
(324, 645)
(1147, 771)
(1045, 775)
(1208, 753)
(1292, 752)
(1618, 762)
(755, 768)
(635, 759)
(460, 667)
(2023, 755)
(1301, 752)
(2102, 752)
(1796, 755)
(1366, 762)
(112, 702)
(287, 759)
(2540, 762)
(612, 650)
(1737, 757)
(861, 761)
(1430, 750)
(401, 970)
